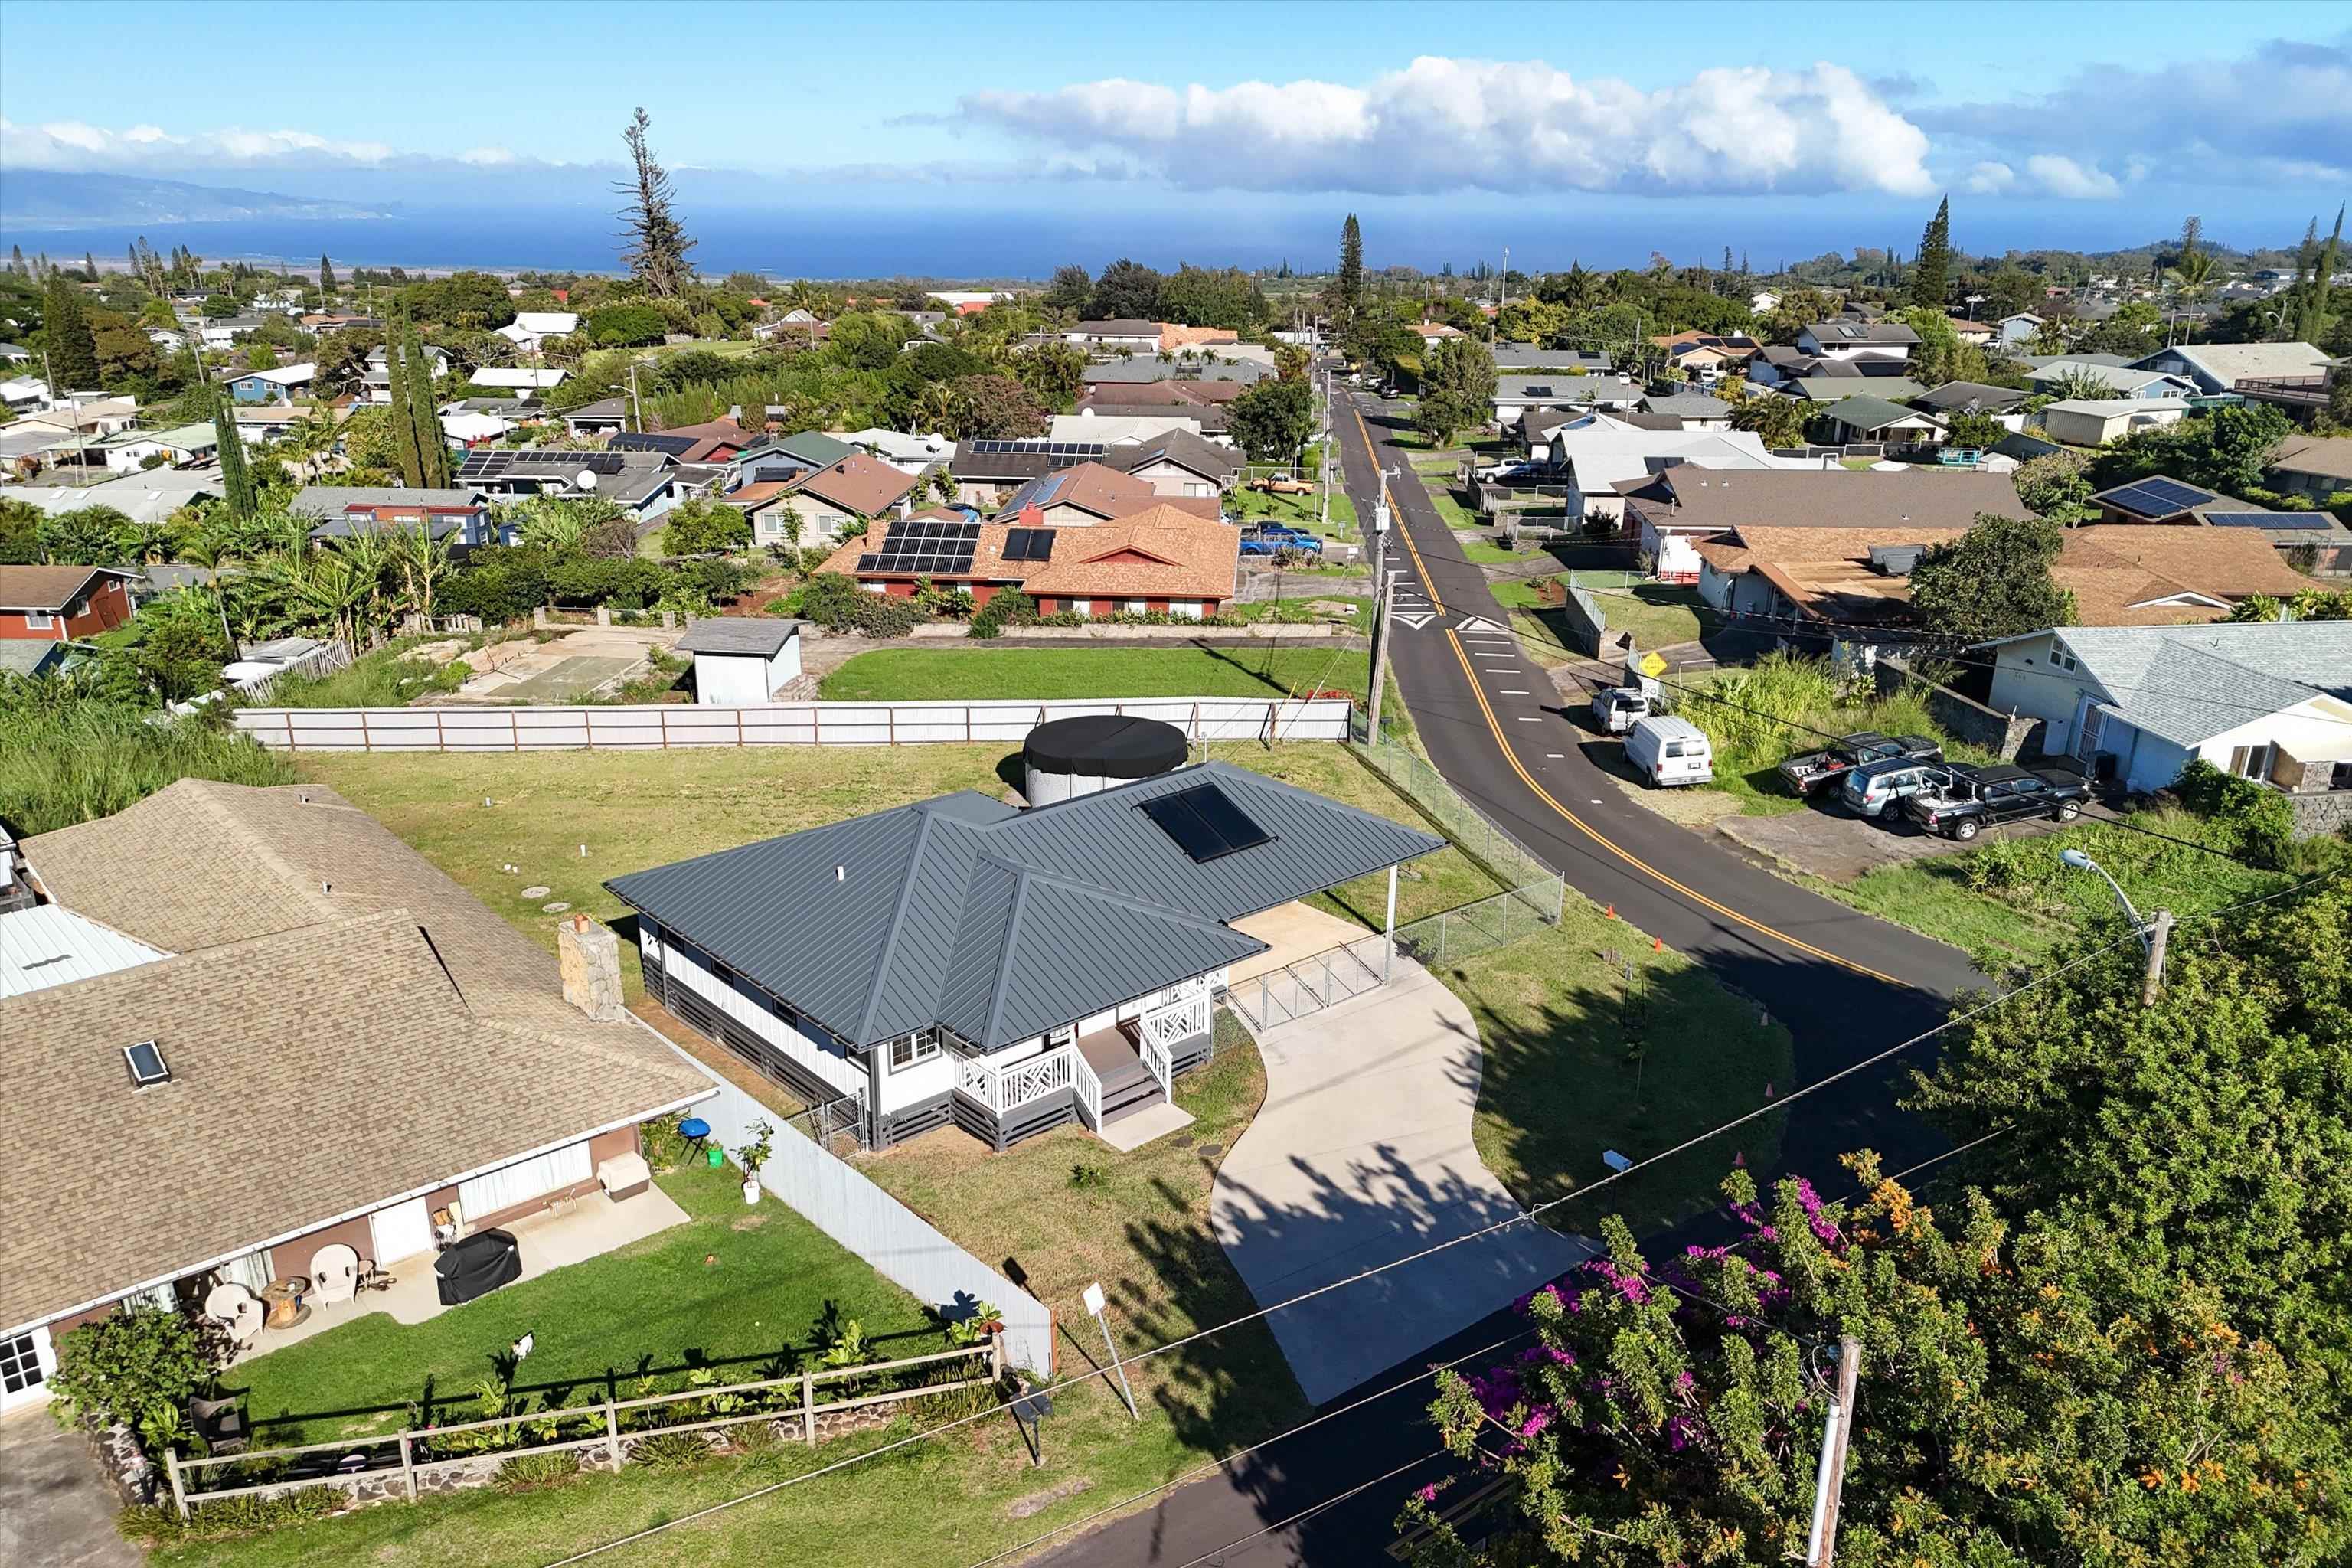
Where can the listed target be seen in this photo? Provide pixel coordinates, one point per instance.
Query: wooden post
(661, 716)
(739, 729)
(179, 1492)
(613, 1434)
(2160, 930)
(1821, 1548)
(407, 1468)
(808, 1408)
(367, 742)
(893, 710)
(514, 731)
(289, 715)
(440, 732)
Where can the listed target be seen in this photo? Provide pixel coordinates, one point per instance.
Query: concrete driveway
(1361, 1155)
(56, 1509)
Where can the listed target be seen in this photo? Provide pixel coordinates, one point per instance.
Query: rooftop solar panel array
(1029, 544)
(925, 547)
(2158, 497)
(491, 464)
(1056, 451)
(1204, 822)
(2266, 518)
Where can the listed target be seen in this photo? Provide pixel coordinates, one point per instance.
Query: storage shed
(742, 661)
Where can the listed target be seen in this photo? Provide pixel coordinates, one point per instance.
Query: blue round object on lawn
(695, 1127)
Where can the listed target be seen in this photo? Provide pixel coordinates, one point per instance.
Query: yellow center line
(1635, 861)
(1396, 514)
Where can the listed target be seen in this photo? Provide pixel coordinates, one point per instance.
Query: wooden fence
(412, 1471)
(672, 726)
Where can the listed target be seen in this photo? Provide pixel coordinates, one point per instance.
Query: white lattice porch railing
(1169, 1024)
(1004, 1089)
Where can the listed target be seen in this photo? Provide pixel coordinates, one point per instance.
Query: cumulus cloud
(1989, 179)
(1442, 124)
(2060, 176)
(74, 146)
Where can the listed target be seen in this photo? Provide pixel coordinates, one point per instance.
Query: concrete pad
(1361, 1155)
(56, 1509)
(1291, 931)
(1829, 842)
(1129, 1133)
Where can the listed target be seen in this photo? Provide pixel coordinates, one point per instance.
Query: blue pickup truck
(1273, 538)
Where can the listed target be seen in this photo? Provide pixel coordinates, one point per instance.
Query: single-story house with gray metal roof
(1008, 969)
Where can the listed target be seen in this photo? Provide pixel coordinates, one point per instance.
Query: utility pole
(1829, 1487)
(2158, 929)
(1383, 595)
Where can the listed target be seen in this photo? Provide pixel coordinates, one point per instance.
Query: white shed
(742, 661)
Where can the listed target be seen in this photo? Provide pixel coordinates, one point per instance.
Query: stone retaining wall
(2317, 816)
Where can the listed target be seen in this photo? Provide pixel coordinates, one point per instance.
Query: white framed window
(1138, 606)
(2061, 657)
(1056, 1038)
(38, 620)
(909, 1050)
(22, 1367)
(1198, 488)
(875, 587)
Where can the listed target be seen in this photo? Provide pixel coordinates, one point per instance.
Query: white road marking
(1524, 719)
(1515, 691)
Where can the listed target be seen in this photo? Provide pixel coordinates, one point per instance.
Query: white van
(1668, 751)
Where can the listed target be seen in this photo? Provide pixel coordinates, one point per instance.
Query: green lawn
(655, 1306)
(1295, 607)
(1659, 614)
(908, 675)
(1299, 511)
(1448, 503)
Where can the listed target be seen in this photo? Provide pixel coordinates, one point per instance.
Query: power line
(1769, 1109)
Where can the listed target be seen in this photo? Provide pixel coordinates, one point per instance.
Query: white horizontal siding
(686, 968)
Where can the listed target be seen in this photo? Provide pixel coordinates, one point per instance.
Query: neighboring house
(15, 354)
(1088, 425)
(2154, 500)
(29, 658)
(603, 417)
(276, 386)
(1514, 393)
(2316, 467)
(1705, 356)
(1175, 337)
(225, 332)
(1135, 337)
(1145, 369)
(2270, 701)
(1855, 340)
(1763, 302)
(963, 961)
(23, 392)
(1210, 419)
(127, 452)
(1528, 356)
(639, 483)
(1163, 559)
(302, 1035)
(377, 380)
(530, 329)
(796, 324)
(1836, 575)
(843, 496)
(917, 454)
(1975, 334)
(1867, 418)
(2144, 386)
(1967, 397)
(1677, 508)
(782, 458)
(62, 603)
(985, 472)
(2019, 328)
(2169, 573)
(713, 441)
(1833, 387)
(148, 496)
(742, 661)
(463, 430)
(1692, 410)
(260, 423)
(1591, 454)
(1180, 463)
(343, 510)
(2214, 368)
(93, 417)
(1174, 391)
(529, 382)
(2094, 422)
(1081, 495)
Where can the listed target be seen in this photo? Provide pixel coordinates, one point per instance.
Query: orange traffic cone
(1740, 1158)
(1609, 911)
(1657, 944)
(1768, 1092)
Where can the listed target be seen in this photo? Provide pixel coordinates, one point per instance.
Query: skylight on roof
(146, 1063)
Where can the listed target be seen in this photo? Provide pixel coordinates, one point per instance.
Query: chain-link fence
(1509, 862)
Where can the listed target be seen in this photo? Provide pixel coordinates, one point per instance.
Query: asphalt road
(1846, 985)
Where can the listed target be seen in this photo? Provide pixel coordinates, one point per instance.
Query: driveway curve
(1360, 1154)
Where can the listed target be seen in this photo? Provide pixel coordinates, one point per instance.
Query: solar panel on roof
(2158, 498)
(2265, 520)
(1205, 823)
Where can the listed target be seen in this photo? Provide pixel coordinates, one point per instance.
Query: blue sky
(1230, 127)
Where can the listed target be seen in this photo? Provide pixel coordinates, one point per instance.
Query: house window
(38, 620)
(1138, 606)
(2060, 657)
(2250, 762)
(1196, 488)
(20, 1364)
(721, 973)
(909, 1050)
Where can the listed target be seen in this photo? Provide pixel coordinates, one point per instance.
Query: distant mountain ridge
(32, 199)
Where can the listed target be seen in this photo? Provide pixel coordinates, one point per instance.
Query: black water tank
(1072, 757)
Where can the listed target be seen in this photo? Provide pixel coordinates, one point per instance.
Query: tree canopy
(1993, 581)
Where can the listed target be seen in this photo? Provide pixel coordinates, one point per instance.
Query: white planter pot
(751, 1190)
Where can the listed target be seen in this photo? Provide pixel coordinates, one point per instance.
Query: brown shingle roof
(48, 587)
(2113, 571)
(2329, 455)
(1097, 488)
(857, 483)
(1826, 572)
(1722, 502)
(344, 1025)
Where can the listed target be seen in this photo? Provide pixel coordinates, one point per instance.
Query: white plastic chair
(334, 1274)
(239, 1308)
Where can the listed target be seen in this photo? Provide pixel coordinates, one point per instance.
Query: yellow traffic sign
(1652, 664)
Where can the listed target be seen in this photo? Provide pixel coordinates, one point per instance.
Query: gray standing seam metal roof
(739, 634)
(1000, 924)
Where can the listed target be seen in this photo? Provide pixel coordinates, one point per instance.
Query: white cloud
(2064, 177)
(74, 146)
(1989, 179)
(1442, 124)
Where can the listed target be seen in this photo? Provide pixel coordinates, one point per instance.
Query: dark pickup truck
(1977, 798)
(1817, 771)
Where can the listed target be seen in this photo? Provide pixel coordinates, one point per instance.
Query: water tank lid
(1107, 746)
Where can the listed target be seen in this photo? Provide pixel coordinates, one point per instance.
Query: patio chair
(334, 1274)
(239, 1310)
(221, 1423)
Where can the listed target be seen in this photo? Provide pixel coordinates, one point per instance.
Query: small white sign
(1094, 1299)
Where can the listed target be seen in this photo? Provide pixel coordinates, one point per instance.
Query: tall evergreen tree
(657, 243)
(131, 256)
(237, 479)
(1351, 269)
(72, 350)
(16, 257)
(89, 268)
(2311, 309)
(406, 455)
(1931, 273)
(431, 447)
(325, 277)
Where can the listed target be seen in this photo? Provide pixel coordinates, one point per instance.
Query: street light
(2080, 861)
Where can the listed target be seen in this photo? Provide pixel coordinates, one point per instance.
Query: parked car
(1667, 751)
(1815, 770)
(1618, 707)
(1977, 798)
(1876, 787)
(1282, 485)
(1272, 538)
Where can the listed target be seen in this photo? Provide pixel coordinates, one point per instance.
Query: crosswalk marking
(1481, 624)
(1416, 623)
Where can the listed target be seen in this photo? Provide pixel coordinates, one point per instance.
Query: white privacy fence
(665, 726)
(900, 1244)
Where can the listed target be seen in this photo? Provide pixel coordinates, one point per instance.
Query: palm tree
(421, 561)
(2191, 273)
(2085, 382)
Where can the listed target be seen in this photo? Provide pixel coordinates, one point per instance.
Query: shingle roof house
(351, 1039)
(915, 956)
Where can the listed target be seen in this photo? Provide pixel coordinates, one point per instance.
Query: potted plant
(753, 1155)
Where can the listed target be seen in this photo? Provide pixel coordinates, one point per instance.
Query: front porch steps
(1127, 1086)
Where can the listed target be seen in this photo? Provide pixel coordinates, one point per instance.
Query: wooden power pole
(1829, 1487)
(2158, 929)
